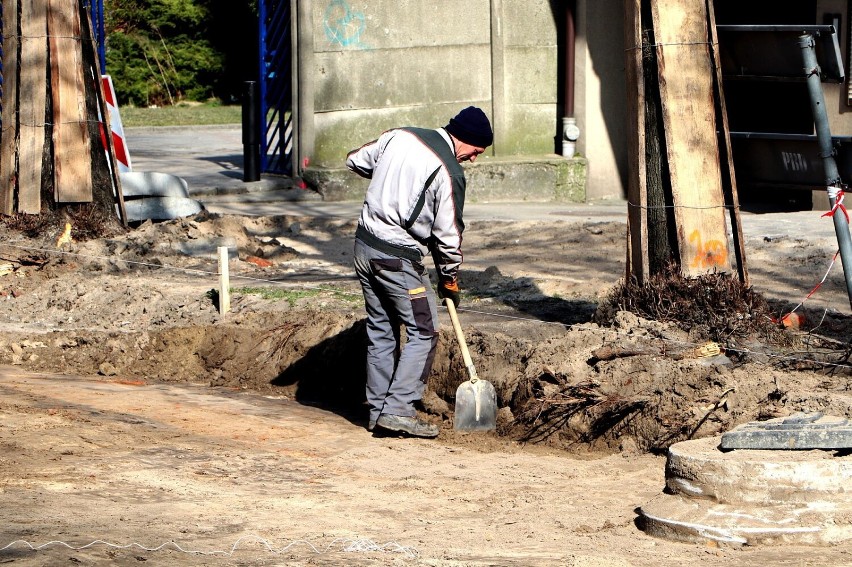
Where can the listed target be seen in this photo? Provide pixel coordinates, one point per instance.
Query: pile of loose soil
(142, 305)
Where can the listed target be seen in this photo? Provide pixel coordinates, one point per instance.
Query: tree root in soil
(714, 307)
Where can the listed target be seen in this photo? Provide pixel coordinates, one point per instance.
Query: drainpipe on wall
(570, 131)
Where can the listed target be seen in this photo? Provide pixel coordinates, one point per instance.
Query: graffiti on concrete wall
(344, 26)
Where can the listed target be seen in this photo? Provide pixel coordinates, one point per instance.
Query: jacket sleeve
(445, 244)
(363, 160)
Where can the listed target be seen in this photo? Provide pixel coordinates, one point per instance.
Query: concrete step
(767, 477)
(694, 520)
(752, 496)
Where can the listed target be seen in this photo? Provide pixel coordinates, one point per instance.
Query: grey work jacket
(416, 194)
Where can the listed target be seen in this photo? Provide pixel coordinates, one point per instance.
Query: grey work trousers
(397, 292)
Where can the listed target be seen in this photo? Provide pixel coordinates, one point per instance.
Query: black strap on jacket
(377, 243)
(418, 207)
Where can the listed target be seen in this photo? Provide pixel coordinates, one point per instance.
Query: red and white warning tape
(837, 194)
(122, 155)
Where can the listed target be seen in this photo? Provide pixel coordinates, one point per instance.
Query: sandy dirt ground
(133, 412)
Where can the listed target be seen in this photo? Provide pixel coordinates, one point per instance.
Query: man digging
(415, 198)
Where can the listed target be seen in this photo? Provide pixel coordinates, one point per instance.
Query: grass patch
(181, 115)
(291, 296)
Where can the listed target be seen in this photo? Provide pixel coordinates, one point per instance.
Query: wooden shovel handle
(451, 308)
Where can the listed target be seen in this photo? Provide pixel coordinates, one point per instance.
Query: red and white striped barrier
(122, 155)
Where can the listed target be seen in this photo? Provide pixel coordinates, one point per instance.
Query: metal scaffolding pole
(832, 175)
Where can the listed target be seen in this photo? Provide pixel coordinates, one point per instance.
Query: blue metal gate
(276, 86)
(96, 12)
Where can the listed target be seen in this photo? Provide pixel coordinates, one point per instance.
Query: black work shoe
(410, 425)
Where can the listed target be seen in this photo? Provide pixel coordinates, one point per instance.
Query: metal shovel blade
(476, 406)
(476, 400)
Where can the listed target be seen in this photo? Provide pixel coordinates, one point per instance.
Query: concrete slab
(511, 179)
(696, 521)
(795, 433)
(160, 208)
(153, 184)
(752, 496)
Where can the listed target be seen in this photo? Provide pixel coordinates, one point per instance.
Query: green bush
(162, 52)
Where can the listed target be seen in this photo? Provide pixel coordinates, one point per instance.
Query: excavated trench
(108, 308)
(556, 390)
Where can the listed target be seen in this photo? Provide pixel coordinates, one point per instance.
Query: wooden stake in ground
(637, 208)
(71, 144)
(224, 281)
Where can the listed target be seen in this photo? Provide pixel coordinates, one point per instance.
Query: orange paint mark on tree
(710, 254)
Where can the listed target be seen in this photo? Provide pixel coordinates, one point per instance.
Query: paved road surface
(210, 159)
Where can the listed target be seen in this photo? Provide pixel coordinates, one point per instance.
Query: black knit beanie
(471, 126)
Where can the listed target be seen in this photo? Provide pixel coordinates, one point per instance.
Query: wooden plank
(686, 91)
(71, 142)
(637, 200)
(32, 104)
(9, 102)
(729, 180)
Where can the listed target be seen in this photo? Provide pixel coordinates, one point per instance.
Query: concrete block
(531, 22)
(398, 24)
(336, 184)
(798, 432)
(518, 179)
(531, 75)
(393, 78)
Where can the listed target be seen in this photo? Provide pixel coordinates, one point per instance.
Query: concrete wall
(387, 63)
(528, 47)
(378, 64)
(601, 104)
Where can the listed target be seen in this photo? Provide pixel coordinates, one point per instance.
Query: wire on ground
(338, 544)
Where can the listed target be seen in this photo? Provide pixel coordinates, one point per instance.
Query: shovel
(476, 400)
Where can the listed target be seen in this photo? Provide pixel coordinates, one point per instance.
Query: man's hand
(449, 289)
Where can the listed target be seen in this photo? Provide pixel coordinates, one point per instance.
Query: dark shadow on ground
(524, 297)
(332, 374)
(232, 165)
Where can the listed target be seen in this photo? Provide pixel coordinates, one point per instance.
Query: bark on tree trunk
(662, 243)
